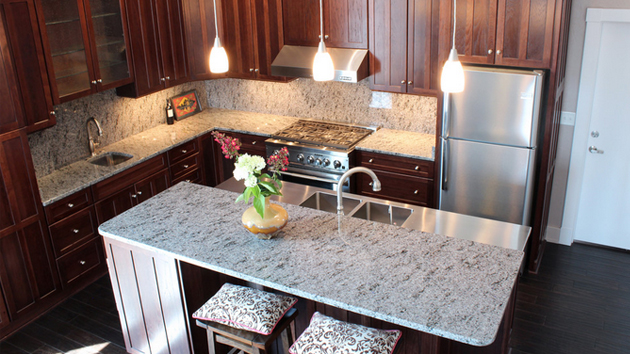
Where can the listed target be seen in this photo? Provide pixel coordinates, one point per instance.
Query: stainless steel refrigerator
(489, 135)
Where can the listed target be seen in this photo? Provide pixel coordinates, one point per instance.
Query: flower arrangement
(249, 168)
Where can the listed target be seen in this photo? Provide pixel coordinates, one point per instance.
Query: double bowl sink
(363, 208)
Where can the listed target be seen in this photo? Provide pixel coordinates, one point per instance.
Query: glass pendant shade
(218, 58)
(452, 80)
(323, 68)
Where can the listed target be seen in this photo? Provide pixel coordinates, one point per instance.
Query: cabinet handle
(403, 82)
(82, 262)
(256, 70)
(410, 83)
(325, 36)
(185, 166)
(99, 80)
(168, 78)
(489, 51)
(70, 205)
(371, 160)
(134, 196)
(163, 79)
(251, 69)
(93, 82)
(254, 142)
(187, 181)
(139, 193)
(76, 231)
(184, 151)
(370, 184)
(320, 36)
(498, 52)
(53, 113)
(417, 168)
(415, 192)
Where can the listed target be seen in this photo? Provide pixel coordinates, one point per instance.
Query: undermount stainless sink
(383, 213)
(328, 202)
(109, 158)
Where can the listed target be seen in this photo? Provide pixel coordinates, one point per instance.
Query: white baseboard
(562, 236)
(552, 234)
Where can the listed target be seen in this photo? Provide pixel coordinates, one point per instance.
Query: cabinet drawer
(68, 205)
(184, 166)
(72, 230)
(249, 143)
(192, 177)
(399, 188)
(81, 261)
(130, 176)
(413, 167)
(183, 151)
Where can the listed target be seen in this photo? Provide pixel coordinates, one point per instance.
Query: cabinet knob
(185, 166)
(409, 82)
(256, 70)
(417, 168)
(370, 184)
(163, 79)
(498, 52)
(371, 160)
(403, 82)
(53, 113)
(320, 36)
(99, 80)
(70, 205)
(187, 181)
(489, 51)
(254, 142)
(184, 151)
(82, 262)
(168, 78)
(134, 196)
(93, 82)
(251, 69)
(76, 231)
(139, 193)
(415, 192)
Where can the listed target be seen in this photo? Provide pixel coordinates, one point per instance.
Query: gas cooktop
(325, 134)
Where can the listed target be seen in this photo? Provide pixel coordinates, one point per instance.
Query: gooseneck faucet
(91, 142)
(376, 185)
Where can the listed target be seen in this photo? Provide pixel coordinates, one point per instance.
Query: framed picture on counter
(186, 104)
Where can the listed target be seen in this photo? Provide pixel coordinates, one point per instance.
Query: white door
(603, 212)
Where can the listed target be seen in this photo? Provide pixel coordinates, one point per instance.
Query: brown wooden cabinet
(158, 44)
(251, 144)
(85, 45)
(32, 83)
(404, 39)
(502, 32)
(345, 23)
(404, 180)
(4, 315)
(253, 36)
(200, 34)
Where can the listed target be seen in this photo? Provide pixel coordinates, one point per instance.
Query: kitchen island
(446, 294)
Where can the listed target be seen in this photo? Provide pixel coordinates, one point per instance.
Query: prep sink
(384, 213)
(328, 202)
(109, 158)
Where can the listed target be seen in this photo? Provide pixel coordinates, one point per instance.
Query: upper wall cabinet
(503, 32)
(200, 34)
(31, 82)
(85, 46)
(345, 23)
(404, 38)
(253, 36)
(11, 115)
(158, 44)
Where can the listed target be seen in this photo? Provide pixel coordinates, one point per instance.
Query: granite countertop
(152, 142)
(448, 287)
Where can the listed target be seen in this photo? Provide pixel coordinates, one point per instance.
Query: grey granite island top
(452, 288)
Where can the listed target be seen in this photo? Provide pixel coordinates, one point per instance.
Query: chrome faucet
(92, 144)
(376, 185)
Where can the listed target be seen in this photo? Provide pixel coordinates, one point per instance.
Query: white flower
(245, 168)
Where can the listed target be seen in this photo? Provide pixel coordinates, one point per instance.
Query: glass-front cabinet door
(86, 47)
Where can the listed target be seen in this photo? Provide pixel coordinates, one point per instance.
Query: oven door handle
(314, 178)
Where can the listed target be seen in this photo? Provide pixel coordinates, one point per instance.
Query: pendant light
(218, 57)
(323, 68)
(452, 73)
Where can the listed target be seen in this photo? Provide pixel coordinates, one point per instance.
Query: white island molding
(448, 294)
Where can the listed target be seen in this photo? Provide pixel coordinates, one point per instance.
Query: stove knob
(318, 162)
(300, 158)
(326, 162)
(311, 159)
(337, 164)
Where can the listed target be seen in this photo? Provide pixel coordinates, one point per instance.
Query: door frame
(595, 19)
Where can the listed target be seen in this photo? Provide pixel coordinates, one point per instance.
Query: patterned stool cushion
(245, 308)
(326, 335)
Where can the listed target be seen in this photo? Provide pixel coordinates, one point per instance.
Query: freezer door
(487, 180)
(497, 106)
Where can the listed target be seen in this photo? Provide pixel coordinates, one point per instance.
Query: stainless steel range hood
(297, 61)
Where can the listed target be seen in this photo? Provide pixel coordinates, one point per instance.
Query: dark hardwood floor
(579, 302)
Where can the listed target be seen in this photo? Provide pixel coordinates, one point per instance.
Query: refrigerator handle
(444, 164)
(446, 110)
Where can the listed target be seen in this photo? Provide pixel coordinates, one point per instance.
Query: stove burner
(324, 134)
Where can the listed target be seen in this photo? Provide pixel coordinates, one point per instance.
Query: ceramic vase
(265, 228)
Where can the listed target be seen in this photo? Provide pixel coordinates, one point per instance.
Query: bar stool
(327, 335)
(246, 319)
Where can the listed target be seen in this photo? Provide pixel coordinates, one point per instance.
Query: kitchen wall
(120, 117)
(569, 105)
(337, 101)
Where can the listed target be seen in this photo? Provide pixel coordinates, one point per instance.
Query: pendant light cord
(321, 20)
(454, 20)
(216, 25)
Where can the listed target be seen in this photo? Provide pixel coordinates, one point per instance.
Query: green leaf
(240, 198)
(269, 186)
(255, 191)
(265, 175)
(259, 204)
(279, 183)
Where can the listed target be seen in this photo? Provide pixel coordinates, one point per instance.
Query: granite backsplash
(66, 142)
(337, 101)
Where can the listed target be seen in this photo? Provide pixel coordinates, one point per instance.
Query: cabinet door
(251, 144)
(388, 45)
(170, 25)
(27, 270)
(65, 38)
(151, 186)
(525, 33)
(398, 188)
(238, 41)
(116, 204)
(106, 26)
(24, 39)
(422, 52)
(200, 34)
(476, 29)
(346, 23)
(268, 38)
(301, 22)
(11, 116)
(4, 315)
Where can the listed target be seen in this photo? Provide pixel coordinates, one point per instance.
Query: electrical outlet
(567, 118)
